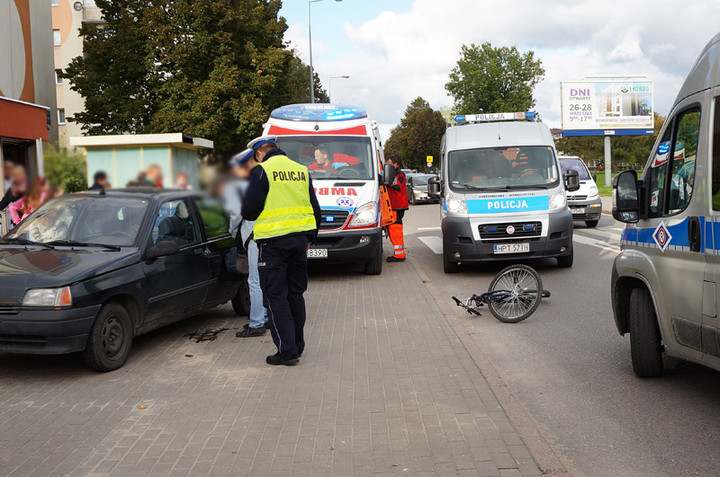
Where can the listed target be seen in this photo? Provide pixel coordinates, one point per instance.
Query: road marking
(426, 229)
(433, 243)
(596, 243)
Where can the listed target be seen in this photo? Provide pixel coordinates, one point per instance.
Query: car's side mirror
(162, 249)
(389, 173)
(434, 187)
(572, 181)
(594, 177)
(626, 198)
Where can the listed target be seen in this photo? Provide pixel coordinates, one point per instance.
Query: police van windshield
(503, 168)
(331, 158)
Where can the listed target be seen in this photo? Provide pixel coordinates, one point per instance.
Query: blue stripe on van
(512, 204)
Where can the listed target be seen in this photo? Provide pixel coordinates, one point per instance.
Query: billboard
(607, 107)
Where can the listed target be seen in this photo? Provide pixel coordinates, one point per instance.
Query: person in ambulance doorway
(281, 200)
(325, 162)
(397, 193)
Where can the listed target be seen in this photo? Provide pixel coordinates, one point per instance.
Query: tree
(298, 78)
(213, 69)
(65, 168)
(418, 135)
(491, 79)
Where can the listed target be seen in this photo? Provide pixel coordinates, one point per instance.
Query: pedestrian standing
(242, 230)
(100, 181)
(397, 193)
(281, 200)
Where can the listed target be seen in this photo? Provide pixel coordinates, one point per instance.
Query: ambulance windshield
(490, 169)
(331, 157)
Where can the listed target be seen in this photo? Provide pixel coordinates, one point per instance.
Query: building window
(58, 78)
(61, 116)
(56, 38)
(55, 3)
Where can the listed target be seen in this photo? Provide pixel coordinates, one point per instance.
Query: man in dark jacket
(281, 200)
(397, 192)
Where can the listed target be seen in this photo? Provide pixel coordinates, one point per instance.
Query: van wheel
(645, 339)
(567, 260)
(450, 266)
(110, 339)
(374, 267)
(241, 300)
(592, 223)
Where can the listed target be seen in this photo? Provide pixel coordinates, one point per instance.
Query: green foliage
(490, 79)
(298, 78)
(418, 135)
(627, 151)
(213, 69)
(65, 168)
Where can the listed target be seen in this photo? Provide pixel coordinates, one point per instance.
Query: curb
(543, 453)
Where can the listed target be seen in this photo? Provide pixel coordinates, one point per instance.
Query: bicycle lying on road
(514, 294)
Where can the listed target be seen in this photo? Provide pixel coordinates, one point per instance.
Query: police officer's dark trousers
(282, 264)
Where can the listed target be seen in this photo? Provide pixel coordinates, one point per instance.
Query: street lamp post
(330, 84)
(312, 71)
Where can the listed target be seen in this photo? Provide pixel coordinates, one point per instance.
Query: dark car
(417, 188)
(90, 271)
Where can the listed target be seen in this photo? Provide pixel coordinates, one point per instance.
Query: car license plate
(578, 211)
(317, 253)
(512, 248)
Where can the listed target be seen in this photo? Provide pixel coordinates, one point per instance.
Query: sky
(397, 50)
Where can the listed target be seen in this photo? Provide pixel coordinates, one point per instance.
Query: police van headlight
(456, 205)
(365, 215)
(557, 201)
(594, 192)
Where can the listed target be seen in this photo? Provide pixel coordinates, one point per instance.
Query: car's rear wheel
(645, 339)
(110, 339)
(241, 300)
(592, 223)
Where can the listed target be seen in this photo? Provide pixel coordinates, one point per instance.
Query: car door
(176, 284)
(674, 213)
(215, 225)
(711, 281)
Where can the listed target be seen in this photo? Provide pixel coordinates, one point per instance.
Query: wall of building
(26, 55)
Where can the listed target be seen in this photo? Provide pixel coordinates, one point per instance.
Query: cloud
(396, 57)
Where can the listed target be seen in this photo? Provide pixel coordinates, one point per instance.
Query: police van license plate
(512, 248)
(317, 253)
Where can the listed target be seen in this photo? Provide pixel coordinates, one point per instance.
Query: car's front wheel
(592, 223)
(110, 339)
(645, 339)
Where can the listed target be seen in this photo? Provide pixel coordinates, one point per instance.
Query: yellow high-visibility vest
(287, 207)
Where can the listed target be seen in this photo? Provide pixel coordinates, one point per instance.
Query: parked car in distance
(417, 188)
(585, 203)
(88, 272)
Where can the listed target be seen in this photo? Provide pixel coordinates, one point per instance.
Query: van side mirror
(389, 173)
(626, 198)
(572, 181)
(162, 249)
(594, 177)
(434, 187)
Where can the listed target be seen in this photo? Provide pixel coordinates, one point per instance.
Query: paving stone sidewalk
(384, 388)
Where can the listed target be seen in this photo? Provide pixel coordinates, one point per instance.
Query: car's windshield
(523, 167)
(575, 164)
(421, 180)
(77, 219)
(333, 158)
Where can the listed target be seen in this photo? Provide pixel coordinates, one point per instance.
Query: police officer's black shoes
(395, 259)
(250, 332)
(277, 360)
(267, 325)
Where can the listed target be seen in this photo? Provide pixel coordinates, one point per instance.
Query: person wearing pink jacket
(34, 197)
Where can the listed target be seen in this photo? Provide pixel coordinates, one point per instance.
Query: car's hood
(22, 269)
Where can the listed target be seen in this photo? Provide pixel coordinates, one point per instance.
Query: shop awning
(21, 120)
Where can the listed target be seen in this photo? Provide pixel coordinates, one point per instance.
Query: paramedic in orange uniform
(397, 193)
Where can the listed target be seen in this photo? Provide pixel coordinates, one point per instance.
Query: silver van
(665, 281)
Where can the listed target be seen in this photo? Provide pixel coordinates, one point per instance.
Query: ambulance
(666, 280)
(342, 150)
(502, 193)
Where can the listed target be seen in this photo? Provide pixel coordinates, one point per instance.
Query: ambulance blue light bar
(479, 118)
(318, 112)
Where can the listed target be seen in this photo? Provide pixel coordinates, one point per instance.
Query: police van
(665, 280)
(342, 150)
(502, 193)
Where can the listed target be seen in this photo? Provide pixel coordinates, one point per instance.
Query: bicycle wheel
(525, 292)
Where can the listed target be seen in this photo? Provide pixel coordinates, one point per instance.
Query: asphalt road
(571, 369)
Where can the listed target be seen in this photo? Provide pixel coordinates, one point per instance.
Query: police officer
(397, 193)
(281, 200)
